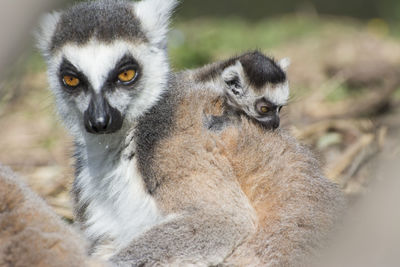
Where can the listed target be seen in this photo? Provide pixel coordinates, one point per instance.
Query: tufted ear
(46, 32)
(233, 77)
(155, 16)
(284, 64)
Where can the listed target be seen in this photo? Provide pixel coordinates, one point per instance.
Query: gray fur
(246, 83)
(80, 163)
(195, 240)
(216, 123)
(152, 128)
(106, 20)
(158, 191)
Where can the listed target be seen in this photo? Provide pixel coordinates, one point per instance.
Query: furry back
(31, 234)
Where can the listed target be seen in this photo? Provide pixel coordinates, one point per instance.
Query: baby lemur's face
(257, 86)
(257, 104)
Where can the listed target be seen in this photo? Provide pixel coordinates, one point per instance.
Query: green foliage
(35, 63)
(340, 93)
(197, 42)
(397, 93)
(344, 92)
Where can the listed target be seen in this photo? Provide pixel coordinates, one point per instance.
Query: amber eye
(264, 109)
(71, 81)
(127, 76)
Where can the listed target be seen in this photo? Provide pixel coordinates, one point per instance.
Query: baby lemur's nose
(271, 124)
(276, 122)
(101, 118)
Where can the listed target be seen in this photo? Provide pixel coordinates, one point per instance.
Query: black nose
(99, 124)
(101, 118)
(276, 122)
(271, 124)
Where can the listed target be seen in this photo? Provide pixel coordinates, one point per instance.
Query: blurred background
(345, 83)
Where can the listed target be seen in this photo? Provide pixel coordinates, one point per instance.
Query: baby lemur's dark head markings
(252, 84)
(261, 70)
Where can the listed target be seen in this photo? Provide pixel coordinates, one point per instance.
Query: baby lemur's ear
(233, 76)
(45, 33)
(154, 16)
(284, 64)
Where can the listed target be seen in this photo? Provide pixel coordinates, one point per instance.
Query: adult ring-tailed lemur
(154, 185)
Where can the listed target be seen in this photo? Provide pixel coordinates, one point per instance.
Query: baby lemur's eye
(264, 109)
(71, 81)
(127, 76)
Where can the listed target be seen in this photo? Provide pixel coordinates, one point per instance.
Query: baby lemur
(294, 207)
(153, 186)
(251, 84)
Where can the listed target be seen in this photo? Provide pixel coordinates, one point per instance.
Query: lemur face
(102, 85)
(264, 106)
(106, 69)
(258, 87)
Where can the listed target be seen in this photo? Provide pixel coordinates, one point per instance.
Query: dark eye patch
(265, 107)
(68, 69)
(126, 63)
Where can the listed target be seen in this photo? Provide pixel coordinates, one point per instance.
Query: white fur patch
(278, 94)
(234, 71)
(119, 207)
(46, 31)
(285, 64)
(154, 16)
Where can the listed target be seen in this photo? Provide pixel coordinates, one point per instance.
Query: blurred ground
(345, 82)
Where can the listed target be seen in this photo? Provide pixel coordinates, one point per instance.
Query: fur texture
(292, 210)
(162, 190)
(31, 234)
(297, 207)
(112, 191)
(193, 183)
(251, 84)
(88, 20)
(154, 16)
